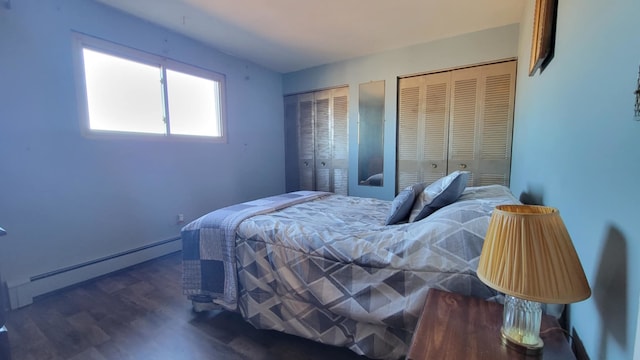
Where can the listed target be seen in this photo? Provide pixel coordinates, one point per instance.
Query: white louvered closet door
(481, 125)
(321, 140)
(496, 124)
(340, 156)
(306, 143)
(436, 127)
(464, 121)
(456, 120)
(423, 129)
(409, 142)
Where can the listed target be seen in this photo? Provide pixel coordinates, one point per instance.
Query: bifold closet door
(456, 120)
(306, 142)
(323, 140)
(423, 130)
(496, 124)
(481, 125)
(316, 126)
(464, 121)
(340, 146)
(331, 140)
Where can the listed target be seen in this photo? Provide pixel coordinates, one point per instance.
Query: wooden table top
(454, 326)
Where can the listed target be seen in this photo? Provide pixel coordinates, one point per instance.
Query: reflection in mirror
(371, 133)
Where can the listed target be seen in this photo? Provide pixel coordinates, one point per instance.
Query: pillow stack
(419, 201)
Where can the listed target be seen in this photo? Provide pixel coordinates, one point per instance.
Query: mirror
(371, 133)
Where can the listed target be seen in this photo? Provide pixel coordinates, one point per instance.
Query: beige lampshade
(527, 253)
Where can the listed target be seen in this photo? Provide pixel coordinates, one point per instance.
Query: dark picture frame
(543, 34)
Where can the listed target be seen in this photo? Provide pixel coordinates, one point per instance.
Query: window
(126, 91)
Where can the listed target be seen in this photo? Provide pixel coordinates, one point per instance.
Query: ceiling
(290, 35)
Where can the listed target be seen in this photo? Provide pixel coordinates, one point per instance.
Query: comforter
(329, 270)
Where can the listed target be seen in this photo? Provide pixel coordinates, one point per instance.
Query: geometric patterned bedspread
(331, 271)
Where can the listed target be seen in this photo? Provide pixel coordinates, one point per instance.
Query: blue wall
(66, 199)
(483, 46)
(575, 141)
(576, 147)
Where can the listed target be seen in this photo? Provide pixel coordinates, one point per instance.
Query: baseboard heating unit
(23, 291)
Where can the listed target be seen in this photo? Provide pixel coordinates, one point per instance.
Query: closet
(456, 120)
(317, 141)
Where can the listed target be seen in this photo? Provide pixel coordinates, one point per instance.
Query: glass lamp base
(527, 349)
(521, 325)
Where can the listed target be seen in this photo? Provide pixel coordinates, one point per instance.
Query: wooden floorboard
(140, 313)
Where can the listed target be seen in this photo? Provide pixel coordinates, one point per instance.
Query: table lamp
(528, 255)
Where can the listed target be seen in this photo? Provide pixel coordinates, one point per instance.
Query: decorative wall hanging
(543, 34)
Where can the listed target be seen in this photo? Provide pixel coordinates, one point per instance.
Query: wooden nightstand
(454, 326)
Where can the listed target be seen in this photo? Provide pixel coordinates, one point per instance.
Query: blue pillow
(403, 203)
(441, 193)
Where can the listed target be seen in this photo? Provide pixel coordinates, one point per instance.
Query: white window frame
(82, 41)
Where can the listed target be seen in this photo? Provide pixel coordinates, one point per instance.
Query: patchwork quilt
(328, 269)
(209, 247)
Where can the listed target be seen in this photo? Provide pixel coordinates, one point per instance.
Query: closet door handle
(306, 164)
(463, 166)
(434, 165)
(323, 163)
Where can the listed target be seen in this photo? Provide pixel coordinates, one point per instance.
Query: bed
(327, 267)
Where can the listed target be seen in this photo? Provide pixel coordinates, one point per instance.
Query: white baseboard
(22, 291)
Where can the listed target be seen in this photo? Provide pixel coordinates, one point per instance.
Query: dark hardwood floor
(140, 313)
